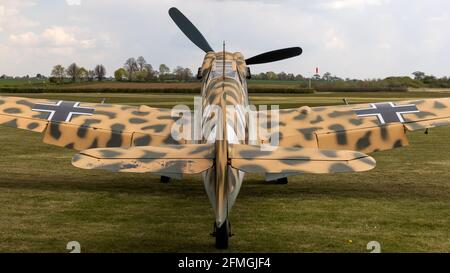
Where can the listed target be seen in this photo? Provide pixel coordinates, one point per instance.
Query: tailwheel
(222, 234)
(165, 179)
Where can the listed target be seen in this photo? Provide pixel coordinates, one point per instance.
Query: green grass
(21, 82)
(254, 86)
(45, 202)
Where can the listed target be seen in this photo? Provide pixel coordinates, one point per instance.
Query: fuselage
(224, 121)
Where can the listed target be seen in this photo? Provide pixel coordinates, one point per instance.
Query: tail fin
(286, 160)
(168, 159)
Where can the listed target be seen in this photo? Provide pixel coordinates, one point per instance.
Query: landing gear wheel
(165, 179)
(222, 234)
(282, 181)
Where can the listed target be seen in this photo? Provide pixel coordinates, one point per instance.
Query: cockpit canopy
(219, 67)
(212, 66)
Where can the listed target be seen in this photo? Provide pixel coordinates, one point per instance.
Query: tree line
(133, 70)
(138, 70)
(431, 81)
(419, 80)
(76, 73)
(283, 76)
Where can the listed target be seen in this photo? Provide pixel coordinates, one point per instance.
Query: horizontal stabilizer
(168, 159)
(286, 160)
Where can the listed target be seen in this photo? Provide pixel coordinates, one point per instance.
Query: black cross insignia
(63, 110)
(387, 112)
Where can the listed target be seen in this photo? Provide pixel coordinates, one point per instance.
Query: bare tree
(163, 71)
(131, 67)
(141, 63)
(182, 74)
(82, 73)
(72, 71)
(187, 74)
(282, 76)
(58, 72)
(100, 72)
(419, 75)
(178, 71)
(151, 74)
(327, 76)
(91, 75)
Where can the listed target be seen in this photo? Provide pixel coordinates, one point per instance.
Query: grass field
(21, 82)
(404, 203)
(180, 85)
(254, 86)
(134, 85)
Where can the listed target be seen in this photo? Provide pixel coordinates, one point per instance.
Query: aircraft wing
(360, 127)
(82, 126)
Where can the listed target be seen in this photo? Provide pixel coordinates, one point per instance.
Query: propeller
(273, 56)
(189, 29)
(197, 38)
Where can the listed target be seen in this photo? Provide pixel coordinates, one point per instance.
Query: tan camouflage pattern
(289, 160)
(222, 183)
(221, 186)
(166, 159)
(339, 128)
(109, 126)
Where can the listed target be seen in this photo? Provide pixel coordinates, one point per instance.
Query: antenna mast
(223, 57)
(223, 103)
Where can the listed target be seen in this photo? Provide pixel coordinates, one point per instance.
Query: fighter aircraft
(119, 138)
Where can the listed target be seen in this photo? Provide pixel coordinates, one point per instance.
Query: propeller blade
(189, 29)
(273, 56)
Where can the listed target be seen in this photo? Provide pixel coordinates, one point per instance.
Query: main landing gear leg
(222, 234)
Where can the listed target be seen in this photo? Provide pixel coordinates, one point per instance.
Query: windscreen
(217, 69)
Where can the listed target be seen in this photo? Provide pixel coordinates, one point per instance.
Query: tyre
(282, 181)
(223, 235)
(165, 179)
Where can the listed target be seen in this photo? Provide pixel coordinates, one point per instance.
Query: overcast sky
(349, 38)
